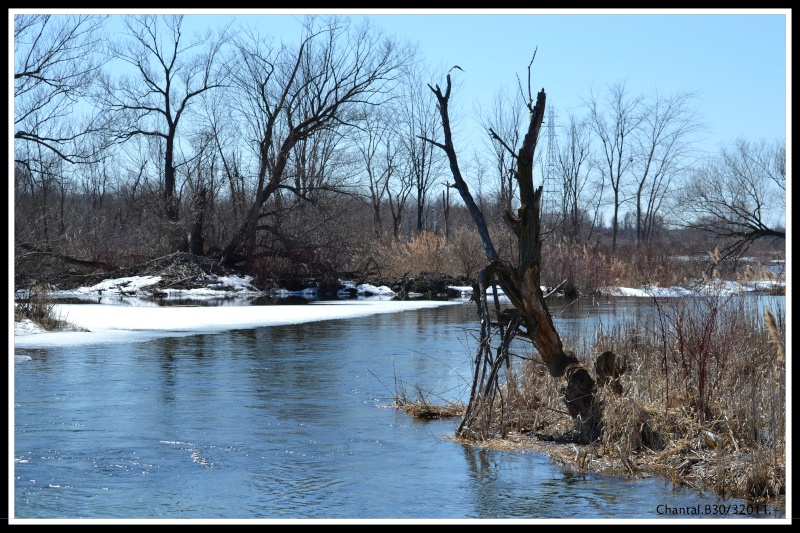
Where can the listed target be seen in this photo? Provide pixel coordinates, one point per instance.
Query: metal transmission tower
(549, 205)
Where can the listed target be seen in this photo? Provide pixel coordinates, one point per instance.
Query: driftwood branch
(549, 294)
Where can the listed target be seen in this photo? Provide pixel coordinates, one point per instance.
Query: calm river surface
(289, 422)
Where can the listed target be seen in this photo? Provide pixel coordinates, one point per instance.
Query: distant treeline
(320, 156)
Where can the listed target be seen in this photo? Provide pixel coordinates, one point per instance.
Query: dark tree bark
(520, 282)
(196, 243)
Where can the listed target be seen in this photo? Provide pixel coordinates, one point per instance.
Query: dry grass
(703, 402)
(424, 252)
(706, 408)
(431, 411)
(423, 407)
(461, 254)
(40, 309)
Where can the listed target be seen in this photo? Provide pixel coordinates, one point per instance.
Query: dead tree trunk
(521, 283)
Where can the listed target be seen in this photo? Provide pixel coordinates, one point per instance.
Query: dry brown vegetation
(38, 308)
(578, 269)
(459, 255)
(703, 400)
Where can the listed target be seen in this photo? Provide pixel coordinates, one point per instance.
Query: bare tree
(201, 181)
(288, 94)
(418, 118)
(37, 189)
(521, 283)
(226, 133)
(739, 196)
(169, 72)
(573, 166)
(664, 144)
(376, 145)
(314, 164)
(56, 60)
(398, 191)
(614, 125)
(508, 122)
(304, 221)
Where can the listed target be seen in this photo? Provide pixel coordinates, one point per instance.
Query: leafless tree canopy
(574, 170)
(169, 72)
(288, 94)
(664, 149)
(740, 196)
(55, 62)
(614, 122)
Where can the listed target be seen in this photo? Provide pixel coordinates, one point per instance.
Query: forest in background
(309, 161)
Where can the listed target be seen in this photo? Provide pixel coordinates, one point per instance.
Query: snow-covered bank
(216, 287)
(712, 287)
(124, 309)
(128, 309)
(715, 286)
(114, 323)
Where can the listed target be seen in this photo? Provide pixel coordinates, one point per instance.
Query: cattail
(774, 336)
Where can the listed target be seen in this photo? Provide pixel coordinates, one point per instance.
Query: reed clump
(703, 400)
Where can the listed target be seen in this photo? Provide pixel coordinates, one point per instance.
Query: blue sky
(736, 60)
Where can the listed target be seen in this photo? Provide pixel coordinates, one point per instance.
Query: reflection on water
(524, 485)
(578, 320)
(288, 422)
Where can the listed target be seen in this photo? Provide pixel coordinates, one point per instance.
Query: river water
(292, 422)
